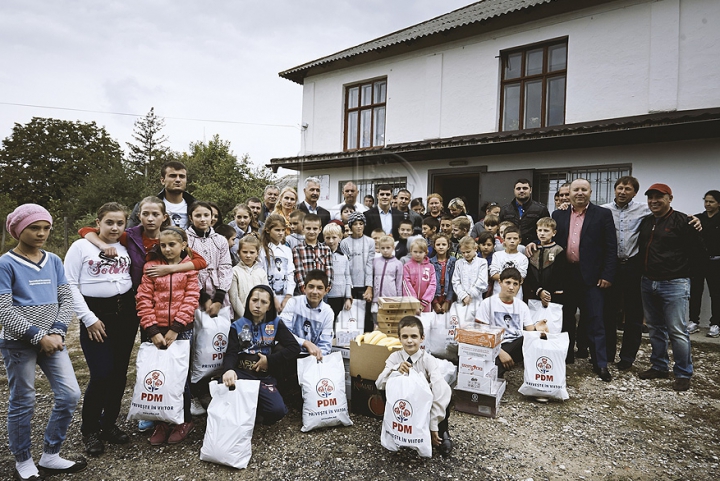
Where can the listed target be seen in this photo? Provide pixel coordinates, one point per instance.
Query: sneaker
(543, 400)
(160, 434)
(114, 435)
(180, 432)
(681, 384)
(692, 327)
(145, 426)
(196, 408)
(714, 331)
(93, 444)
(653, 374)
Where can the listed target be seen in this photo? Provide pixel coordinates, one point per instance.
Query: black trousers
(357, 293)
(697, 286)
(514, 348)
(623, 301)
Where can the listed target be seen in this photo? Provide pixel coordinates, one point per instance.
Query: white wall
(626, 58)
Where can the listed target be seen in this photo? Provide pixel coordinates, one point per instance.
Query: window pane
(557, 57)
(534, 62)
(555, 104)
(379, 124)
(352, 130)
(511, 107)
(365, 128)
(353, 97)
(380, 92)
(513, 64)
(366, 97)
(533, 104)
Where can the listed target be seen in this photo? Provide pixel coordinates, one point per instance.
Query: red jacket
(167, 301)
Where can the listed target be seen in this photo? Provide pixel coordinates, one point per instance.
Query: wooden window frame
(372, 106)
(523, 78)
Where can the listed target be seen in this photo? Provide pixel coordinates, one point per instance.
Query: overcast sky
(188, 59)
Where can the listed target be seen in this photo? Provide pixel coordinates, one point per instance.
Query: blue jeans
(20, 359)
(665, 304)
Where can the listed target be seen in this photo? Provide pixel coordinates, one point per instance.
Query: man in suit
(309, 205)
(587, 233)
(383, 216)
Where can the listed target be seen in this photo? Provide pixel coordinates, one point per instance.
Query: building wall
(625, 58)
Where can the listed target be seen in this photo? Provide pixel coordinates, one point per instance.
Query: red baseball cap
(662, 188)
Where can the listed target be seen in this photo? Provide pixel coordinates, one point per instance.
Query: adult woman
(286, 204)
(434, 206)
(710, 234)
(457, 208)
(417, 205)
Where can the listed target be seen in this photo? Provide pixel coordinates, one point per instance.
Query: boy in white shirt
(469, 279)
(510, 257)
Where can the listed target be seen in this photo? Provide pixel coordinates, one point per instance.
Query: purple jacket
(136, 249)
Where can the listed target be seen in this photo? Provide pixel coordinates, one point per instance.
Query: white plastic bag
(210, 340)
(230, 423)
(160, 382)
(351, 318)
(440, 334)
(553, 314)
(407, 413)
(323, 392)
(544, 361)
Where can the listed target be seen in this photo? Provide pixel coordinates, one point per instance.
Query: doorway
(451, 184)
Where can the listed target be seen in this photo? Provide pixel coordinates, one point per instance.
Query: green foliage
(216, 174)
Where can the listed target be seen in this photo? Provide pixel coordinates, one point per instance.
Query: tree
(216, 174)
(147, 154)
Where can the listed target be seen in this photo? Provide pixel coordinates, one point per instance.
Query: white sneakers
(693, 327)
(714, 331)
(196, 408)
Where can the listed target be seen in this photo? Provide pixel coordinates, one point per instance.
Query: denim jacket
(449, 268)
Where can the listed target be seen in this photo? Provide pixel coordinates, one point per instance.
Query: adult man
(671, 252)
(587, 234)
(403, 205)
(623, 298)
(562, 196)
(369, 201)
(309, 205)
(270, 198)
(350, 192)
(255, 205)
(383, 216)
(173, 177)
(524, 212)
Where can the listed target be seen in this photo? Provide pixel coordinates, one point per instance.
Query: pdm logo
(402, 410)
(220, 342)
(325, 388)
(154, 380)
(543, 365)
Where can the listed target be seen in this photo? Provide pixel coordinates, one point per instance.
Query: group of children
(284, 289)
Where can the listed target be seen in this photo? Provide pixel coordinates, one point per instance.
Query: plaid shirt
(307, 258)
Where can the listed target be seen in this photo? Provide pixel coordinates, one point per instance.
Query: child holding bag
(166, 306)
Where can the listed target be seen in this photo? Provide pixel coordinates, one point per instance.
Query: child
(509, 257)
(309, 318)
(277, 260)
(486, 249)
(360, 249)
(388, 272)
(546, 272)
(444, 269)
(231, 235)
(340, 295)
(430, 227)
(419, 275)
(508, 311)
(253, 353)
(247, 274)
(460, 228)
(295, 238)
(500, 237)
(470, 278)
(446, 224)
(105, 304)
(412, 334)
(216, 217)
(310, 253)
(492, 224)
(36, 308)
(405, 230)
(345, 212)
(166, 306)
(242, 221)
(376, 235)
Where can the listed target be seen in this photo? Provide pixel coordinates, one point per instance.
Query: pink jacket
(419, 282)
(167, 301)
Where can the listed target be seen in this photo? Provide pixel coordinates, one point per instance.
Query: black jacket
(670, 248)
(534, 211)
(547, 269)
(372, 221)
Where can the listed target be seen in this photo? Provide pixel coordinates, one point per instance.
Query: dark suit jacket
(372, 221)
(323, 213)
(598, 242)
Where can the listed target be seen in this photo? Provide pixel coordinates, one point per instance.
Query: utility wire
(140, 115)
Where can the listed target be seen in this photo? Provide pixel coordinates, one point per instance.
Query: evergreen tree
(149, 151)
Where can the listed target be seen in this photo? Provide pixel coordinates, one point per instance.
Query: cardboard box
(387, 303)
(477, 367)
(368, 360)
(395, 315)
(481, 335)
(478, 404)
(478, 384)
(478, 352)
(366, 398)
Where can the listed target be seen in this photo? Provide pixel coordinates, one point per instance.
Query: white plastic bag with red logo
(544, 361)
(552, 315)
(407, 413)
(210, 340)
(160, 382)
(323, 392)
(230, 423)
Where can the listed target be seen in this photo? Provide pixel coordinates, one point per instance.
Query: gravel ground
(627, 429)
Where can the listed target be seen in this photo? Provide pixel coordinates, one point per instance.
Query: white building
(550, 90)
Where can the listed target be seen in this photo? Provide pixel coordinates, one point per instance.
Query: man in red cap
(671, 252)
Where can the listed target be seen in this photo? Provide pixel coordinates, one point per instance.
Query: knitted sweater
(243, 280)
(361, 253)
